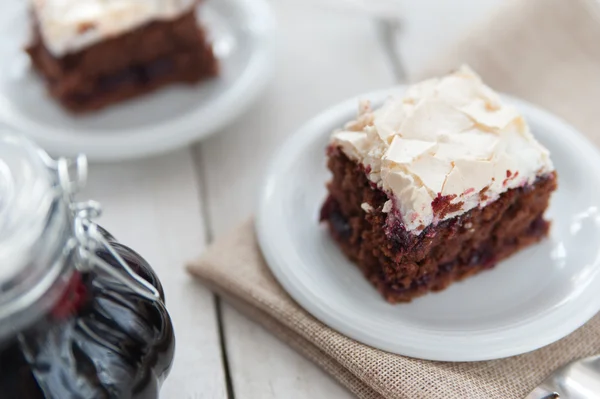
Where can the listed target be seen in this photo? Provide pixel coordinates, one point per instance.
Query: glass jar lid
(45, 235)
(34, 232)
(26, 198)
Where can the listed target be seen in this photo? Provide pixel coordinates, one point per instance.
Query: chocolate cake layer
(403, 265)
(122, 67)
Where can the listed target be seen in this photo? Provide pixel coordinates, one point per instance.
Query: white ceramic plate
(242, 32)
(528, 301)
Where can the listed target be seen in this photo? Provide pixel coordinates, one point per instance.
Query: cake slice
(93, 53)
(436, 186)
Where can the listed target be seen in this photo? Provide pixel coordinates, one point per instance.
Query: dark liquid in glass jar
(100, 341)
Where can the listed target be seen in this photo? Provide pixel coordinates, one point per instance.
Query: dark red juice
(102, 340)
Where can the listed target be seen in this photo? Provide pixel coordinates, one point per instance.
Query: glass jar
(81, 316)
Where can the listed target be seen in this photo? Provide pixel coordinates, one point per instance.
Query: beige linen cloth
(546, 51)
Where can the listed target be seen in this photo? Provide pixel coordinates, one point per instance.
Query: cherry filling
(538, 227)
(101, 340)
(72, 300)
(339, 224)
(137, 75)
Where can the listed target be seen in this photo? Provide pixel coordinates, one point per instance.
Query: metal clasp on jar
(72, 176)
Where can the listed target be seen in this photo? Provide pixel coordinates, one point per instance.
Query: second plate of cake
(443, 189)
(123, 79)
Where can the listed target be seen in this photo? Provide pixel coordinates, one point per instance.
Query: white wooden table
(170, 207)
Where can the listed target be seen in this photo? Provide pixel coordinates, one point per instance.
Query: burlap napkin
(546, 51)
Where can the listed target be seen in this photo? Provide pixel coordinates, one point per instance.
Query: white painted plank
(153, 205)
(324, 57)
(265, 368)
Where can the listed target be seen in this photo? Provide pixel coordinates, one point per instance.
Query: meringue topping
(451, 137)
(70, 25)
